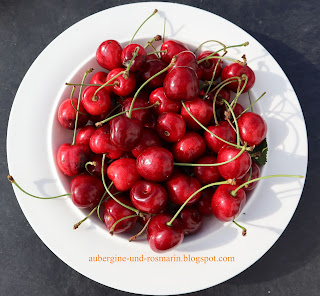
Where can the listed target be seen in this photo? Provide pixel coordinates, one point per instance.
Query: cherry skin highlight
(171, 127)
(207, 174)
(191, 220)
(95, 104)
(171, 48)
(108, 54)
(165, 104)
(84, 134)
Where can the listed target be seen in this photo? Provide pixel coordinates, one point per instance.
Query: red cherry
(237, 70)
(124, 85)
(162, 237)
(206, 174)
(101, 78)
(166, 105)
(151, 122)
(148, 138)
(71, 159)
(180, 187)
(125, 133)
(225, 206)
(186, 58)
(224, 131)
(151, 68)
(84, 135)
(181, 84)
(67, 114)
(252, 128)
(204, 203)
(139, 61)
(171, 48)
(148, 197)
(171, 127)
(155, 164)
(255, 173)
(113, 211)
(100, 143)
(123, 172)
(223, 94)
(86, 191)
(237, 110)
(208, 66)
(95, 169)
(191, 220)
(141, 115)
(235, 169)
(108, 54)
(95, 104)
(200, 109)
(189, 148)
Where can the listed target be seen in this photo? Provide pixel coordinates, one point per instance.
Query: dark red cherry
(181, 83)
(101, 78)
(224, 131)
(141, 115)
(180, 187)
(191, 220)
(189, 148)
(253, 174)
(125, 133)
(166, 105)
(148, 197)
(209, 65)
(237, 70)
(113, 211)
(84, 135)
(148, 138)
(67, 114)
(171, 127)
(186, 58)
(204, 203)
(222, 94)
(237, 110)
(139, 61)
(252, 128)
(124, 85)
(155, 164)
(201, 110)
(151, 68)
(95, 104)
(162, 237)
(225, 206)
(86, 191)
(207, 174)
(235, 169)
(123, 172)
(171, 48)
(95, 167)
(151, 121)
(71, 159)
(100, 143)
(108, 54)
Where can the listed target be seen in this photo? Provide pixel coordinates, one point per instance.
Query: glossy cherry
(148, 197)
(95, 104)
(170, 48)
(171, 127)
(141, 115)
(189, 148)
(207, 67)
(186, 58)
(203, 205)
(67, 114)
(108, 54)
(101, 78)
(123, 172)
(191, 220)
(84, 134)
(165, 104)
(139, 61)
(86, 191)
(155, 164)
(207, 174)
(253, 174)
(124, 85)
(223, 94)
(162, 237)
(151, 68)
(225, 206)
(237, 110)
(95, 167)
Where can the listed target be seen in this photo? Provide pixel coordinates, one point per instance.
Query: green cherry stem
(12, 180)
(75, 226)
(156, 51)
(244, 231)
(234, 102)
(234, 119)
(118, 221)
(147, 81)
(156, 38)
(71, 100)
(212, 78)
(132, 238)
(216, 41)
(191, 196)
(164, 29)
(234, 192)
(252, 104)
(83, 84)
(89, 163)
(134, 35)
(135, 53)
(108, 82)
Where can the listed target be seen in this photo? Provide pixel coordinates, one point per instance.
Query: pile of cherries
(159, 140)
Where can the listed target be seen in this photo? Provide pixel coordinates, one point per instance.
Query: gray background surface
(289, 30)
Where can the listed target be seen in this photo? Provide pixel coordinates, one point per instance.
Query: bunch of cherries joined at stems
(159, 140)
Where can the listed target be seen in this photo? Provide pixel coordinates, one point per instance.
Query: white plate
(34, 135)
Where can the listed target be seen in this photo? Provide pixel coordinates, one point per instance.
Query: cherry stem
(191, 196)
(245, 78)
(147, 81)
(135, 53)
(206, 129)
(12, 180)
(212, 78)
(149, 43)
(132, 238)
(71, 100)
(102, 200)
(234, 192)
(75, 226)
(252, 104)
(234, 119)
(164, 29)
(134, 35)
(156, 51)
(203, 43)
(211, 164)
(107, 83)
(249, 178)
(100, 123)
(83, 84)
(89, 163)
(118, 221)
(244, 230)
(107, 189)
(231, 46)
(78, 106)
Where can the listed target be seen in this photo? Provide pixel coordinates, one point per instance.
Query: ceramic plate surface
(133, 267)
